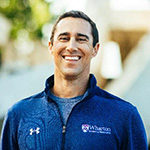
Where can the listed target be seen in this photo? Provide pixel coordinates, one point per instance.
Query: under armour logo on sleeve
(37, 130)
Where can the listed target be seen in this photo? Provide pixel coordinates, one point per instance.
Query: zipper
(63, 136)
(64, 127)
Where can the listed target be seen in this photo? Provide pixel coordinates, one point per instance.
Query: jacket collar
(91, 85)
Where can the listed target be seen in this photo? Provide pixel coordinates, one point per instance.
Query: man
(72, 113)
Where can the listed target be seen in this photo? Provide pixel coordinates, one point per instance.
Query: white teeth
(71, 58)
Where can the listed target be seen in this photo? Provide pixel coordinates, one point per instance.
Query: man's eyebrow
(63, 34)
(80, 34)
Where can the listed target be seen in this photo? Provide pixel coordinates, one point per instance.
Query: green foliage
(26, 14)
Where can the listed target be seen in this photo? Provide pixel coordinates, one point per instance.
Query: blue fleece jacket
(100, 121)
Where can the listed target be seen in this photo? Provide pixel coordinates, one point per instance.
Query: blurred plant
(30, 15)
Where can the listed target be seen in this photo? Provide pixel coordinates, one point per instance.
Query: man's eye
(81, 39)
(63, 39)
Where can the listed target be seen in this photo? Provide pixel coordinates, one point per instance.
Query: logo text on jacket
(95, 129)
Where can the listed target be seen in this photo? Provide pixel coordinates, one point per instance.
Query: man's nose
(72, 45)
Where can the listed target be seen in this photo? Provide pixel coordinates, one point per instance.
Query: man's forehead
(71, 24)
(72, 19)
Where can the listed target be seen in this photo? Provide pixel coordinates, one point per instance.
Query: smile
(72, 58)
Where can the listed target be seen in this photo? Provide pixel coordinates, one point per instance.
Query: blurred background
(122, 65)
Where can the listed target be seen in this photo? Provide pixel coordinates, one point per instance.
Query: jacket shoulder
(26, 104)
(114, 101)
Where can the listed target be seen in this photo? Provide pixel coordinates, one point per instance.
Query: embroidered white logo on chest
(37, 130)
(95, 129)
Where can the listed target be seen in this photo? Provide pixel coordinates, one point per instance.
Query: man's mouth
(72, 58)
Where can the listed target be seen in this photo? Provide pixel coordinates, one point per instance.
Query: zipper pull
(64, 129)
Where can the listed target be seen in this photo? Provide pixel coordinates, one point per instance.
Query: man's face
(73, 47)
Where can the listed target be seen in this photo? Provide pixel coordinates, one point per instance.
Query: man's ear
(95, 49)
(50, 47)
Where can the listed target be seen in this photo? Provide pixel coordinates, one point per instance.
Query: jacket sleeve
(8, 134)
(136, 135)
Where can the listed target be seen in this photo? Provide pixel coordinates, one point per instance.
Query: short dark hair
(77, 14)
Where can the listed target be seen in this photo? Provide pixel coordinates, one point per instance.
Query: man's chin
(71, 75)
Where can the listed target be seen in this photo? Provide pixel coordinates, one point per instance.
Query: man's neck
(66, 88)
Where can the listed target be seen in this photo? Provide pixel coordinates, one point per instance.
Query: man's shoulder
(27, 104)
(113, 101)
(113, 107)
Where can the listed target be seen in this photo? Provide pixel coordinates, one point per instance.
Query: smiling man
(72, 48)
(73, 113)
